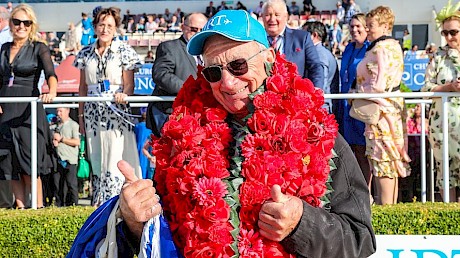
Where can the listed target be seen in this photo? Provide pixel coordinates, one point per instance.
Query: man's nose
(228, 79)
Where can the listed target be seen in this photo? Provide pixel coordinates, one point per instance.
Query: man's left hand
(280, 215)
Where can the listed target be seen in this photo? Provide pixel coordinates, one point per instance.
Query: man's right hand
(138, 202)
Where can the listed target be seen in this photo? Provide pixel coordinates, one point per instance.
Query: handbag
(84, 169)
(366, 111)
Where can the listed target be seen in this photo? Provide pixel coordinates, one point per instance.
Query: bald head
(193, 23)
(4, 17)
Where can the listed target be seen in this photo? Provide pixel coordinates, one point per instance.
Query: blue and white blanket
(98, 236)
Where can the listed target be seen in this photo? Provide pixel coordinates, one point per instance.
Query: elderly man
(340, 229)
(295, 44)
(172, 66)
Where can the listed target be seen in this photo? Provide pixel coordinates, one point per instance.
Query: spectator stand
(144, 42)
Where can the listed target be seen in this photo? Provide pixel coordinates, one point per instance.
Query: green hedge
(46, 232)
(417, 219)
(49, 232)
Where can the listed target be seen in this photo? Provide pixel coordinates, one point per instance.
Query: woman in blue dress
(350, 128)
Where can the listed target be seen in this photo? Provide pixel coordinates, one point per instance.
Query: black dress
(15, 122)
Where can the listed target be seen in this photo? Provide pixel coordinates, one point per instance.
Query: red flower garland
(212, 212)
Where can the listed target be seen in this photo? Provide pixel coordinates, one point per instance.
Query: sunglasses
(17, 22)
(193, 29)
(236, 67)
(453, 33)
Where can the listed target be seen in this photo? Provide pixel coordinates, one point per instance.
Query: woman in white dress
(107, 69)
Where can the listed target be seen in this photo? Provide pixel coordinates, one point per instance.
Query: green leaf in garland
(236, 197)
(234, 247)
(229, 201)
(238, 160)
(325, 199)
(229, 185)
(268, 68)
(235, 222)
(237, 182)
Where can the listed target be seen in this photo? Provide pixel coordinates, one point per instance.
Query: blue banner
(414, 73)
(144, 84)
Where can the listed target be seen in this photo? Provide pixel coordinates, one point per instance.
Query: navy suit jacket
(299, 49)
(172, 66)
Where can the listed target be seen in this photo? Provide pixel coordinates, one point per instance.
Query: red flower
(215, 115)
(277, 84)
(315, 133)
(254, 145)
(173, 129)
(208, 190)
(218, 213)
(250, 244)
(268, 101)
(260, 122)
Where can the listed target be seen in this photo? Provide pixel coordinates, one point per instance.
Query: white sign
(417, 246)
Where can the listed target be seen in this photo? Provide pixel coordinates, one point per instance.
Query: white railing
(418, 95)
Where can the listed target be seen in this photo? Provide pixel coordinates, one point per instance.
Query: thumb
(127, 171)
(277, 195)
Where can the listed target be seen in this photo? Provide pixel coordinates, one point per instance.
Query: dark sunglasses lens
(453, 33)
(212, 73)
(238, 67)
(17, 22)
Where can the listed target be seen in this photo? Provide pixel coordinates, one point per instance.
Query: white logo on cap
(218, 20)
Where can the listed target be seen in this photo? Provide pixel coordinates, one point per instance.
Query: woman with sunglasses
(443, 75)
(107, 69)
(21, 63)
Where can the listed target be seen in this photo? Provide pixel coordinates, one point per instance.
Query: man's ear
(270, 57)
(314, 35)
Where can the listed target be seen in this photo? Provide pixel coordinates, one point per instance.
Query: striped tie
(274, 43)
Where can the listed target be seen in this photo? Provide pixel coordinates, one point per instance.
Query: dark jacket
(343, 228)
(172, 66)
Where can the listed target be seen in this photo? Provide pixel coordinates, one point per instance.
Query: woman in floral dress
(107, 69)
(380, 71)
(442, 75)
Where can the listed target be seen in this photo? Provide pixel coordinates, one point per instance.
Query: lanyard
(102, 64)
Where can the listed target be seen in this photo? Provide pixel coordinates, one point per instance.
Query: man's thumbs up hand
(280, 215)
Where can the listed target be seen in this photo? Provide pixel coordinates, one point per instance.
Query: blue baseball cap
(236, 25)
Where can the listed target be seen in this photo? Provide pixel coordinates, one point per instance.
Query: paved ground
(84, 202)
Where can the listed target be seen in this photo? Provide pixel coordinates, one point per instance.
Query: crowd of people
(372, 62)
(236, 64)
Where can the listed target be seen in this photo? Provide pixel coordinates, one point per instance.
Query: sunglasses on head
(236, 67)
(17, 22)
(193, 29)
(453, 33)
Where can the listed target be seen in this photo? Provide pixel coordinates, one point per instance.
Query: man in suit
(210, 10)
(172, 66)
(318, 34)
(295, 44)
